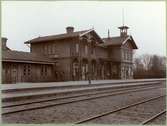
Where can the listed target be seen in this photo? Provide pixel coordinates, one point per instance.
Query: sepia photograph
(83, 62)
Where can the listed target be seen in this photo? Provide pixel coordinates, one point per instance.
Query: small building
(20, 66)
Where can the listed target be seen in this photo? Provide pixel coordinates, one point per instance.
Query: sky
(24, 20)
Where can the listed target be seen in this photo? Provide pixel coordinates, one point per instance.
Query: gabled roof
(92, 31)
(55, 37)
(64, 36)
(118, 41)
(25, 57)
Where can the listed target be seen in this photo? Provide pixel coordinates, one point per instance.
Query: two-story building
(84, 54)
(120, 54)
(77, 53)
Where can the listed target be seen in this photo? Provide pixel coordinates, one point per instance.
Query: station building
(74, 55)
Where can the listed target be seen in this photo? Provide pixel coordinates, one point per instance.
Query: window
(77, 47)
(125, 54)
(86, 49)
(93, 47)
(75, 68)
(93, 67)
(46, 70)
(94, 50)
(130, 55)
(48, 49)
(24, 69)
(42, 71)
(29, 69)
(45, 51)
(121, 53)
(53, 49)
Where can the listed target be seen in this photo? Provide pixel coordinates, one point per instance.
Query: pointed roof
(62, 36)
(93, 32)
(118, 41)
(55, 37)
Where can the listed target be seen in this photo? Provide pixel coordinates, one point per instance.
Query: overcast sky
(22, 21)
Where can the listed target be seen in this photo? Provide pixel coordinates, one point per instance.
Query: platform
(70, 83)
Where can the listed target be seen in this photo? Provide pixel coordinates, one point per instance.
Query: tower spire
(108, 33)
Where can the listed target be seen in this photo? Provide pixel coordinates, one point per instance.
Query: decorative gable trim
(86, 32)
(132, 42)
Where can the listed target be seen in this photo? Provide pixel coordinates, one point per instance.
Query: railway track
(76, 95)
(123, 108)
(45, 103)
(153, 117)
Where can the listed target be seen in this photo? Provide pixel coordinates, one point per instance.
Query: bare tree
(146, 61)
(150, 66)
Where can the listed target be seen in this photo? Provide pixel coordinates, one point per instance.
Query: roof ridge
(61, 34)
(57, 36)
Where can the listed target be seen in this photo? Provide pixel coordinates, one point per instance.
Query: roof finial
(108, 33)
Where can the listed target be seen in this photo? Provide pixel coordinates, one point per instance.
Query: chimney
(4, 41)
(69, 29)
